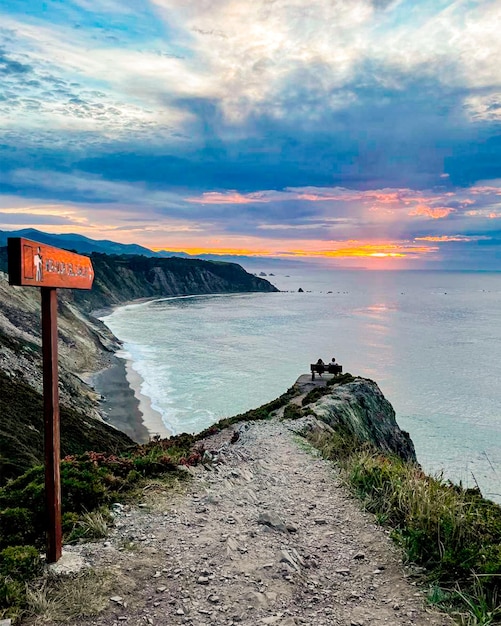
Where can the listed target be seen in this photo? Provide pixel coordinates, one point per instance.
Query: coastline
(122, 405)
(151, 418)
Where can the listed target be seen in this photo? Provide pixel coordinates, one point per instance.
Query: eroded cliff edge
(360, 408)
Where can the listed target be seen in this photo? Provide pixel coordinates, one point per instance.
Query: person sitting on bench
(320, 367)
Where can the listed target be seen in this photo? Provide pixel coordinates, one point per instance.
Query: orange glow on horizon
(218, 251)
(367, 251)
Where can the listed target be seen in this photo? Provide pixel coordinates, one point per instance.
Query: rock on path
(267, 536)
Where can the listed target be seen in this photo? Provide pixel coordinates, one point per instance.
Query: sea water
(431, 340)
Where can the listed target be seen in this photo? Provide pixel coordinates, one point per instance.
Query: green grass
(89, 483)
(318, 392)
(454, 533)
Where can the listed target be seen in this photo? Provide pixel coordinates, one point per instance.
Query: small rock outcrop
(361, 408)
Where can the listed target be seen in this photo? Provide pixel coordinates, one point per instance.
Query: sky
(352, 133)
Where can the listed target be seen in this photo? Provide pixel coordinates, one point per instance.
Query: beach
(123, 405)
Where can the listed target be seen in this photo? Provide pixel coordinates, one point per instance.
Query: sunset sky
(352, 132)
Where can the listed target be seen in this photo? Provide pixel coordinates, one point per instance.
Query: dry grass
(95, 524)
(69, 598)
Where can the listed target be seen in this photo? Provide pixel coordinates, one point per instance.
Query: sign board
(33, 264)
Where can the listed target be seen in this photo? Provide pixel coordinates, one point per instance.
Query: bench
(330, 368)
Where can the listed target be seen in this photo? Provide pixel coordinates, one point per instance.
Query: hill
(86, 245)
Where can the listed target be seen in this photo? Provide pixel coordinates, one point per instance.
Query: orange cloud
(435, 213)
(447, 238)
(370, 250)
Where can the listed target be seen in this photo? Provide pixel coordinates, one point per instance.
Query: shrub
(20, 562)
(16, 527)
(12, 597)
(292, 412)
(69, 521)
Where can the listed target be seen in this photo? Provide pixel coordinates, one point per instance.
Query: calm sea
(431, 340)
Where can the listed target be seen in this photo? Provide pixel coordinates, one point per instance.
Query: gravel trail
(264, 535)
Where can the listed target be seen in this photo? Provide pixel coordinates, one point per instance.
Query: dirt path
(267, 536)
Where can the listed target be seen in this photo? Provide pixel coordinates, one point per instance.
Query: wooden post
(34, 264)
(52, 424)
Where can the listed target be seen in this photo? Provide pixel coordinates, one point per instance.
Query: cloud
(435, 213)
(272, 122)
(10, 66)
(453, 238)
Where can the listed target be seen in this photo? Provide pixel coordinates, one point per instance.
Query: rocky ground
(265, 534)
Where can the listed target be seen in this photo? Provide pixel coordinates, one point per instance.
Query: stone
(203, 580)
(286, 557)
(69, 563)
(117, 599)
(272, 520)
(344, 571)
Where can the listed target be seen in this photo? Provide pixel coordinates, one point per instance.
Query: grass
(54, 600)
(452, 532)
(89, 484)
(21, 429)
(318, 392)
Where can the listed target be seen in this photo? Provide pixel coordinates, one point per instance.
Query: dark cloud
(10, 66)
(381, 137)
(480, 160)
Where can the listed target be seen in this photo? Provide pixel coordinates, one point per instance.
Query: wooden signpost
(33, 264)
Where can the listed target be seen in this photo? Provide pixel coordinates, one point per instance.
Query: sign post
(32, 264)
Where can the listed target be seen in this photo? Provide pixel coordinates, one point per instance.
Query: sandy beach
(122, 404)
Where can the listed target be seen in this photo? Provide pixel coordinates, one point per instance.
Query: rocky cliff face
(360, 408)
(124, 278)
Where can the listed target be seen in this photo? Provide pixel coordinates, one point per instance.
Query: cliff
(360, 409)
(85, 345)
(124, 278)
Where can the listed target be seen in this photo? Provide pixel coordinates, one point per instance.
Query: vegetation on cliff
(21, 430)
(452, 532)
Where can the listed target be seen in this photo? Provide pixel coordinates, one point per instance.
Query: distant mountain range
(85, 245)
(81, 244)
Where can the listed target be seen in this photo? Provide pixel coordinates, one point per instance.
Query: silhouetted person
(320, 367)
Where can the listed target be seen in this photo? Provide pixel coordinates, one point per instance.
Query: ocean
(431, 340)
